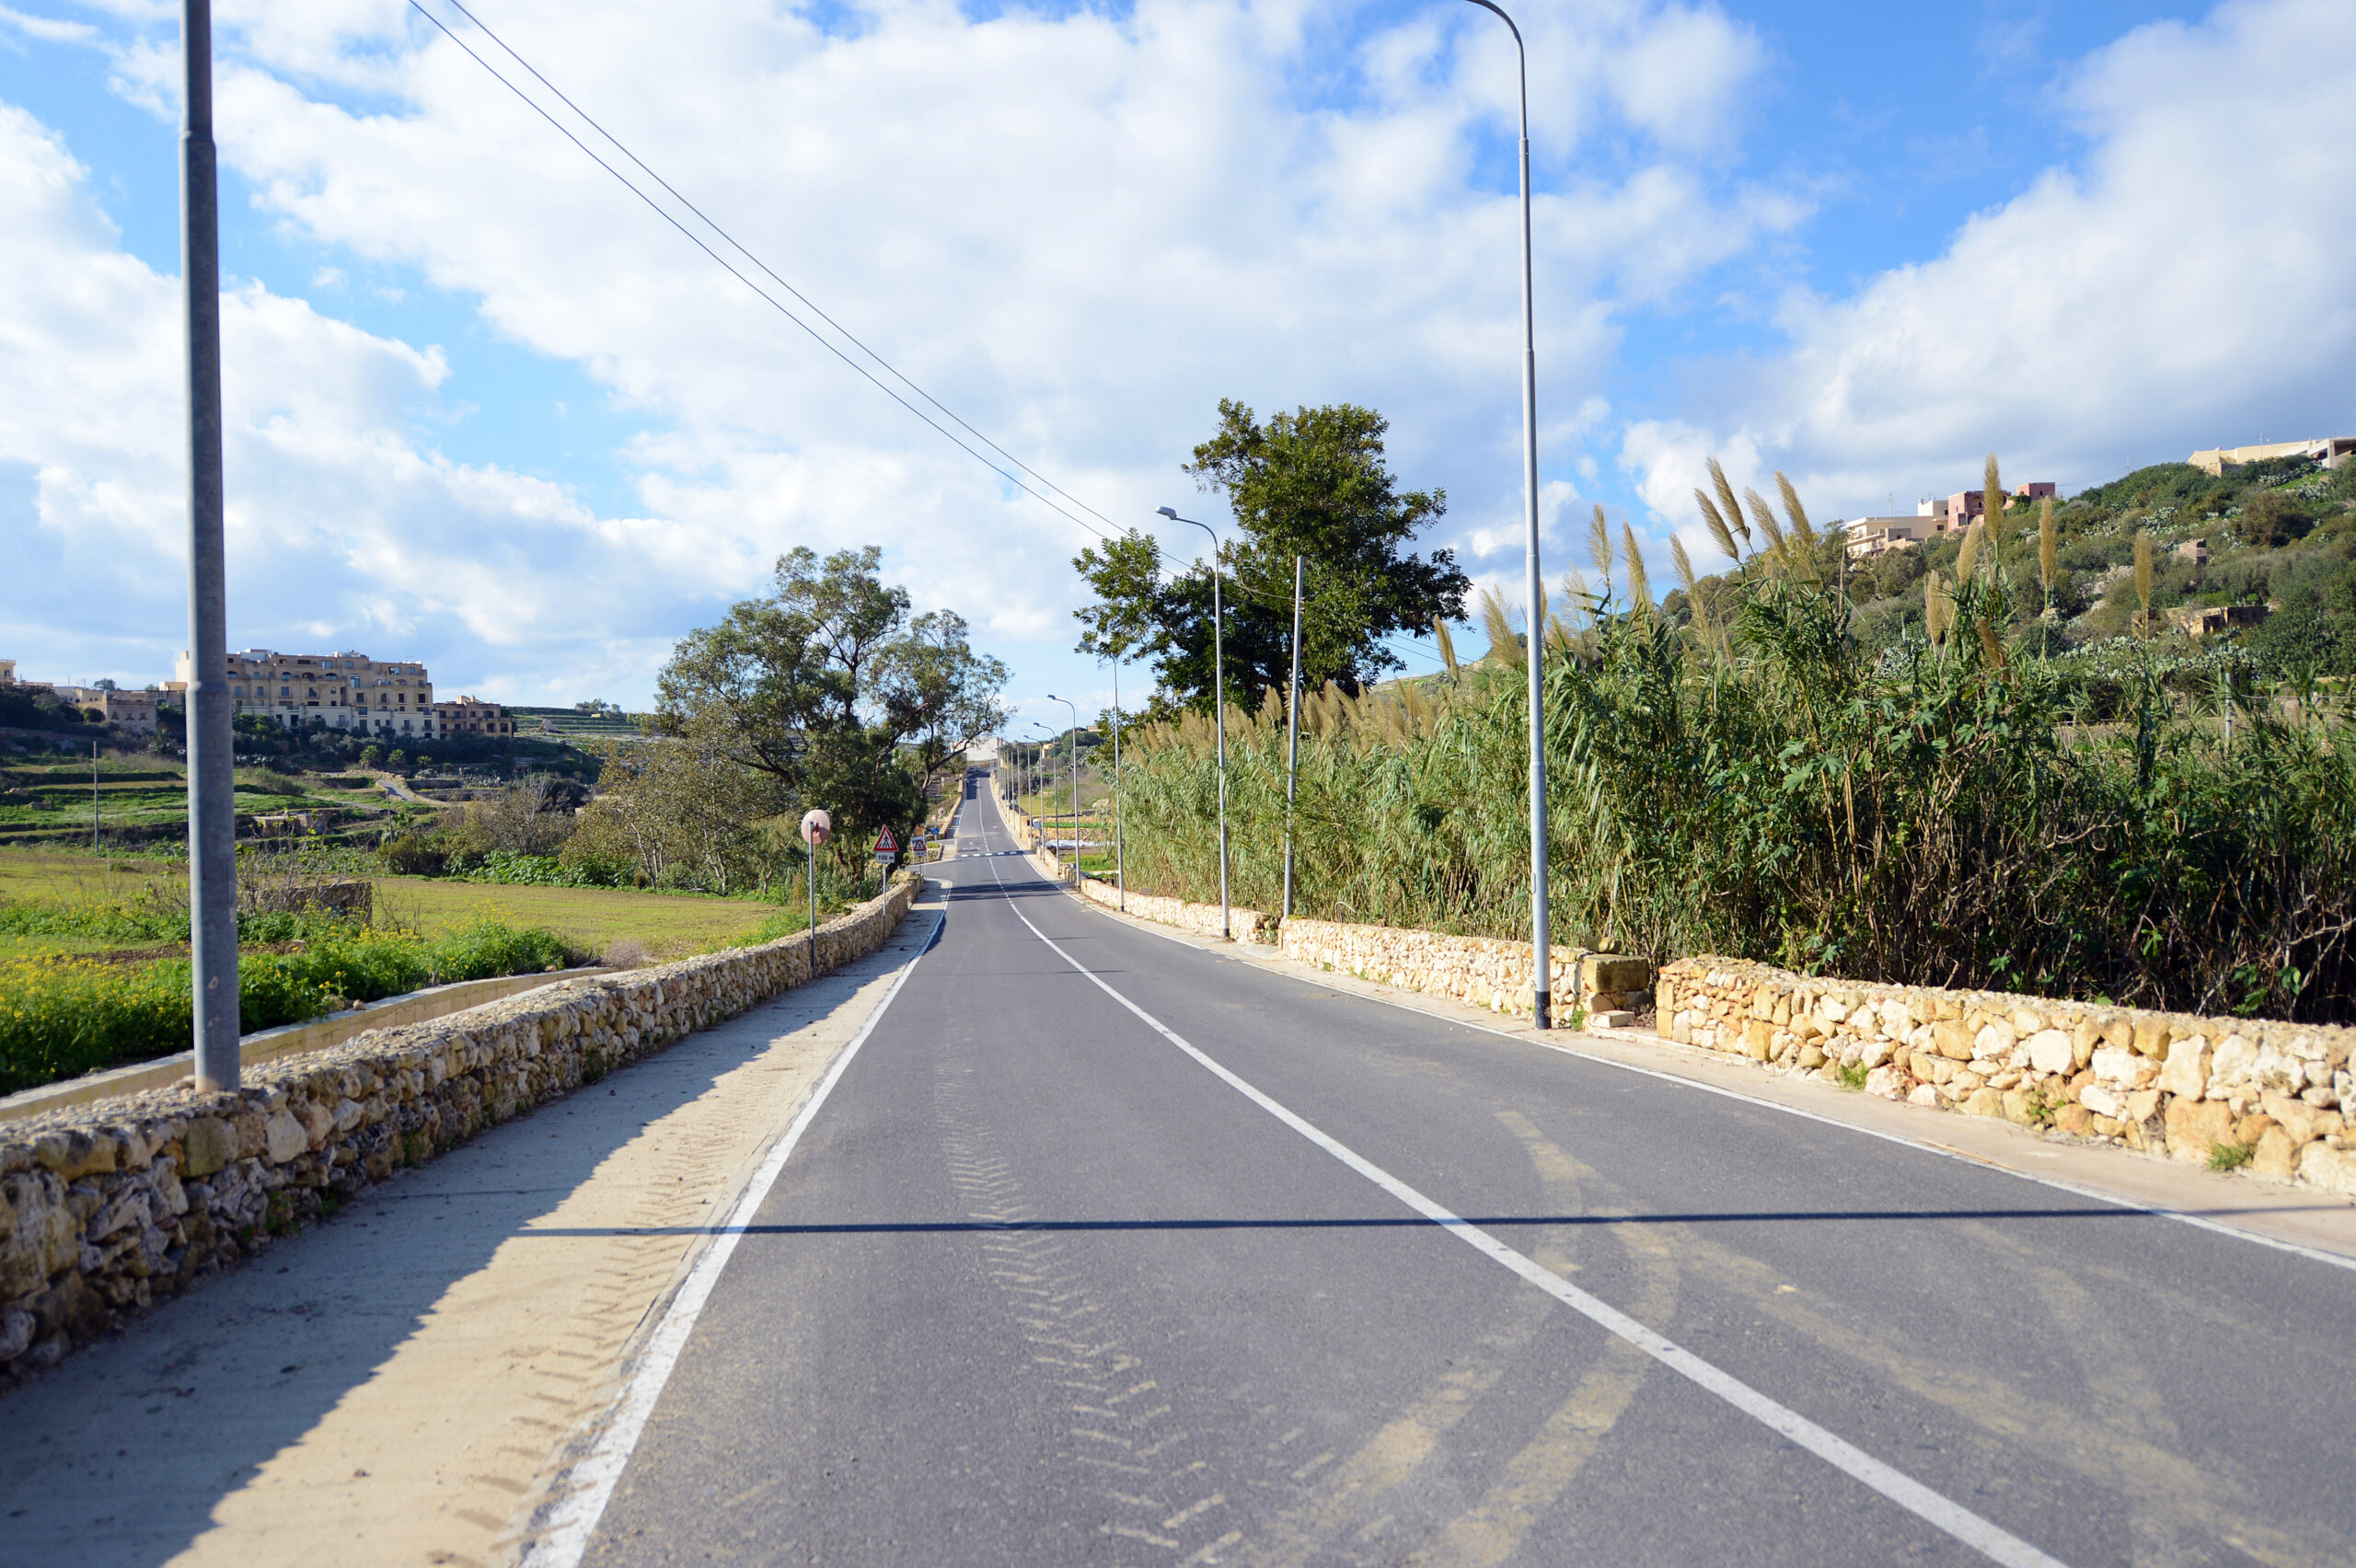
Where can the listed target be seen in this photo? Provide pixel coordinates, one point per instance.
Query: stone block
(1984, 1102)
(2049, 1051)
(1613, 972)
(2276, 1156)
(2329, 1169)
(206, 1145)
(2186, 1071)
(2197, 1127)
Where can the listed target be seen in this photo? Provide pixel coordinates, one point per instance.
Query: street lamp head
(1170, 512)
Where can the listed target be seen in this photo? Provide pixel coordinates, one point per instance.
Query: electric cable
(697, 241)
(814, 307)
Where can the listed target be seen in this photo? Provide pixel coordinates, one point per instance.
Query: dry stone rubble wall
(2171, 1083)
(108, 1207)
(1479, 969)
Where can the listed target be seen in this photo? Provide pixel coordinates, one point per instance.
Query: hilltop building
(132, 711)
(343, 691)
(2331, 451)
(1953, 513)
(1872, 535)
(471, 716)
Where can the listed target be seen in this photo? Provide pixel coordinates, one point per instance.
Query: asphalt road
(1041, 1284)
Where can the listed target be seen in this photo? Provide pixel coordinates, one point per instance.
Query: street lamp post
(1120, 862)
(1071, 739)
(1292, 734)
(1219, 694)
(1541, 935)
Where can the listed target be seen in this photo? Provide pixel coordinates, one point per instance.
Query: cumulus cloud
(1079, 229)
(2183, 284)
(341, 526)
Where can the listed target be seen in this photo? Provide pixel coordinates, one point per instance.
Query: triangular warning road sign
(885, 844)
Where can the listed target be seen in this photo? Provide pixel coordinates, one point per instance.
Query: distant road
(1181, 1261)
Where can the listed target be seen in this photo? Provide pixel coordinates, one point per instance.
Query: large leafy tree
(828, 688)
(1312, 483)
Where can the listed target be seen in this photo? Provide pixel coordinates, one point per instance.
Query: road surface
(1106, 1249)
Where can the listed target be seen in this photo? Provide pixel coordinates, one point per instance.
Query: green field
(149, 792)
(661, 925)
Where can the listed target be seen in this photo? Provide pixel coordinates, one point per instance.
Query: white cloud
(2184, 285)
(340, 526)
(1079, 230)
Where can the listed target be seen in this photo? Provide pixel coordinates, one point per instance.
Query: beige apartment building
(1872, 535)
(391, 698)
(470, 716)
(132, 711)
(2331, 451)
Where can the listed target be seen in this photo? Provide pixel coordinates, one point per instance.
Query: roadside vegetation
(2030, 784)
(65, 1015)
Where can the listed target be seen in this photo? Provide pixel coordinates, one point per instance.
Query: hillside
(2281, 532)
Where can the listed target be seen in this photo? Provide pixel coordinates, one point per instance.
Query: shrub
(63, 1017)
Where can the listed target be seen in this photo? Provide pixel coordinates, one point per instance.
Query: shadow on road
(122, 1456)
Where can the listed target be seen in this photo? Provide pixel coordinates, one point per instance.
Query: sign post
(816, 828)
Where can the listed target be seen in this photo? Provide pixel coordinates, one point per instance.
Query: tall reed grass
(1755, 784)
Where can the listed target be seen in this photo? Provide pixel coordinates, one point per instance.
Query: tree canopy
(830, 690)
(1312, 483)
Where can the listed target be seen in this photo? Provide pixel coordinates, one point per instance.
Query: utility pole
(94, 797)
(212, 805)
(1292, 734)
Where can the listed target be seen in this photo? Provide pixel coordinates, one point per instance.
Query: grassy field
(147, 791)
(662, 925)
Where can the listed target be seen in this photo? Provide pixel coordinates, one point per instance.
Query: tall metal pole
(1540, 933)
(813, 911)
(1219, 708)
(212, 805)
(1292, 734)
(1120, 861)
(1071, 739)
(94, 797)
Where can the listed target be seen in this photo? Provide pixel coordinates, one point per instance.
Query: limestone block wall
(1249, 925)
(2167, 1083)
(1479, 969)
(108, 1207)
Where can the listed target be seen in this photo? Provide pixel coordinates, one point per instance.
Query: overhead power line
(1045, 498)
(1052, 496)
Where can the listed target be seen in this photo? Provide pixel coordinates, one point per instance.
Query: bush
(63, 1017)
(414, 854)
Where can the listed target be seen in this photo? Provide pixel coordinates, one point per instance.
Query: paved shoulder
(396, 1386)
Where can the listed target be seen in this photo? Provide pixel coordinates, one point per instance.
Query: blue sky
(489, 411)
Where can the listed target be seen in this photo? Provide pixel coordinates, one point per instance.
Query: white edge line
(1935, 1508)
(1903, 1141)
(588, 1485)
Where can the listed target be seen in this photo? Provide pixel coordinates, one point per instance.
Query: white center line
(1988, 1538)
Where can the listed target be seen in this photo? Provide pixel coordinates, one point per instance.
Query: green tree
(1312, 483)
(828, 689)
